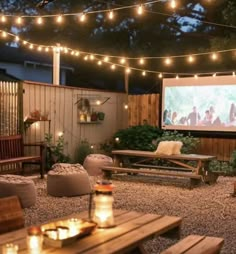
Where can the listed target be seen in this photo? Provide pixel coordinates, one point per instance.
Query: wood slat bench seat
(200, 167)
(108, 170)
(196, 244)
(12, 154)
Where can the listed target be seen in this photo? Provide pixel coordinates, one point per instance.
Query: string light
(214, 56)
(105, 58)
(195, 76)
(39, 21)
(99, 62)
(3, 19)
(19, 21)
(59, 19)
(113, 66)
(173, 4)
(168, 61)
(140, 10)
(141, 61)
(110, 15)
(177, 77)
(82, 17)
(190, 59)
(214, 75)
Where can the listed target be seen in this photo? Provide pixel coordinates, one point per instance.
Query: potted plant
(101, 116)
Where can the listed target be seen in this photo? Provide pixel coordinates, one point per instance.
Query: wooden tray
(86, 229)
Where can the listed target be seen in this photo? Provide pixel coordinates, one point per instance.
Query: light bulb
(82, 17)
(127, 70)
(17, 38)
(99, 62)
(86, 58)
(214, 75)
(141, 61)
(59, 19)
(106, 59)
(3, 19)
(190, 59)
(77, 53)
(72, 52)
(31, 46)
(39, 48)
(113, 67)
(173, 4)
(144, 73)
(177, 77)
(39, 21)
(91, 57)
(25, 42)
(214, 56)
(122, 60)
(126, 107)
(4, 34)
(65, 50)
(19, 21)
(46, 49)
(168, 61)
(160, 75)
(140, 10)
(110, 15)
(195, 76)
(233, 74)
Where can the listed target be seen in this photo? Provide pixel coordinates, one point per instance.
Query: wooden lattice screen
(11, 109)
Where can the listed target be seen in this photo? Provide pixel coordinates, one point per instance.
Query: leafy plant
(233, 160)
(55, 152)
(83, 149)
(139, 137)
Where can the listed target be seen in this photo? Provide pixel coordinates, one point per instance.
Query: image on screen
(204, 103)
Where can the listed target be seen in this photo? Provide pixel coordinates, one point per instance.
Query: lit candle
(51, 233)
(103, 213)
(10, 248)
(62, 232)
(74, 226)
(34, 240)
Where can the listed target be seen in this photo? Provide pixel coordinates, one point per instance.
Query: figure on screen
(193, 117)
(207, 118)
(166, 117)
(174, 118)
(232, 113)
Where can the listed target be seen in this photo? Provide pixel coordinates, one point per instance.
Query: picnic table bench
(12, 154)
(196, 173)
(196, 244)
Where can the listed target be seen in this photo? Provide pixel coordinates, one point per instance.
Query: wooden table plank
(134, 238)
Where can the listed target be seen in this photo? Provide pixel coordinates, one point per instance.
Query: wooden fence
(146, 108)
(59, 104)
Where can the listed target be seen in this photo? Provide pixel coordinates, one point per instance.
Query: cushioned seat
(66, 180)
(94, 162)
(21, 186)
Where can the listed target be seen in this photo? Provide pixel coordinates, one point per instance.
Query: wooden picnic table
(131, 230)
(197, 171)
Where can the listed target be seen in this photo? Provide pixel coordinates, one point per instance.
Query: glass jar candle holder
(74, 225)
(103, 212)
(34, 240)
(10, 248)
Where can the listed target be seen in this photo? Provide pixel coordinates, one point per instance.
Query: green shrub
(139, 137)
(83, 149)
(233, 160)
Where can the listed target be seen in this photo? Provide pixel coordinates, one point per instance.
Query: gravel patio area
(206, 210)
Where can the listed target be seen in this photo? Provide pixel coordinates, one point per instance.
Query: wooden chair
(11, 214)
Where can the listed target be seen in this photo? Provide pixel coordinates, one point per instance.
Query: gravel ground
(206, 210)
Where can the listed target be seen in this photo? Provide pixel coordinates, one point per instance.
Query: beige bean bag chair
(67, 180)
(94, 162)
(21, 186)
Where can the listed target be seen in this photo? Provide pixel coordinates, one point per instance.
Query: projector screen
(199, 104)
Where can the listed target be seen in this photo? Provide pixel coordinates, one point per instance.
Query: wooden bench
(12, 154)
(196, 244)
(196, 173)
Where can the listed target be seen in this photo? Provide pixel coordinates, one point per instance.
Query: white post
(56, 65)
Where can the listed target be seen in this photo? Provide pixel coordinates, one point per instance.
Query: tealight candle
(34, 240)
(51, 233)
(10, 248)
(74, 226)
(62, 232)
